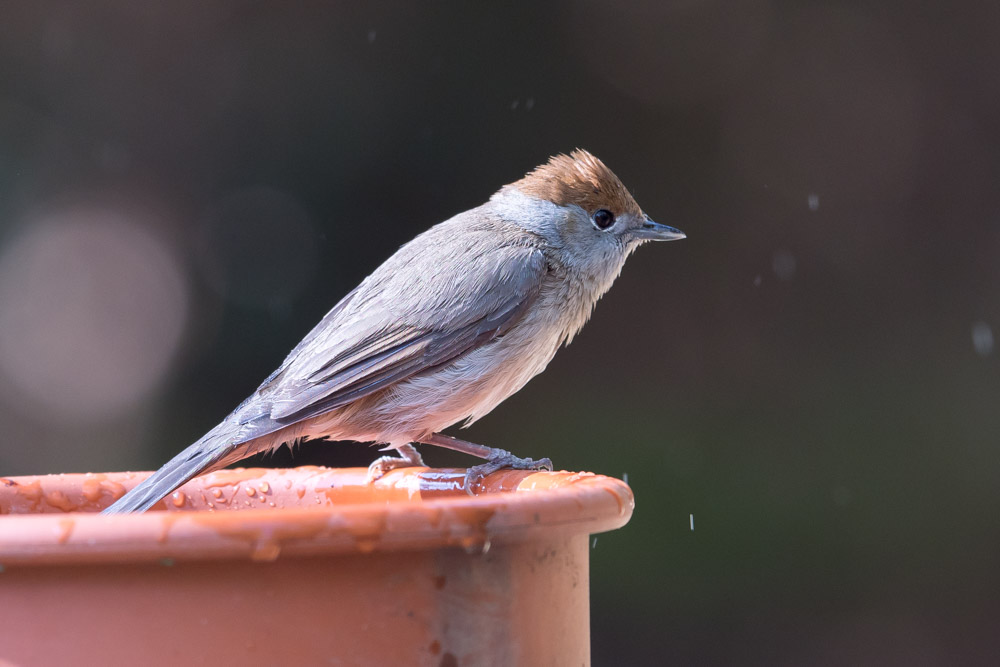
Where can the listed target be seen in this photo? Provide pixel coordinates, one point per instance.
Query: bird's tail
(216, 449)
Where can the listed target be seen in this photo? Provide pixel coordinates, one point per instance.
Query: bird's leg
(495, 458)
(408, 457)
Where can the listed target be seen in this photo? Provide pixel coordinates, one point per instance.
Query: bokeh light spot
(92, 309)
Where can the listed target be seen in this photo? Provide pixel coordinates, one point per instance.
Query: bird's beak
(654, 231)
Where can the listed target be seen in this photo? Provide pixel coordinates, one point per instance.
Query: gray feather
(400, 323)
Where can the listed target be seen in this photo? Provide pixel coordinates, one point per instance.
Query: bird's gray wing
(430, 303)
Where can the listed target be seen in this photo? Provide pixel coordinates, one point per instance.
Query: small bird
(457, 320)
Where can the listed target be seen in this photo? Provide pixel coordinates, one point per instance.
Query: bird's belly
(465, 389)
(473, 385)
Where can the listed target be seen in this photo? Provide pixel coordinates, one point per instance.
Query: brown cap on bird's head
(578, 178)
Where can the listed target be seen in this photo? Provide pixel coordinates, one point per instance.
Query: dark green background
(804, 382)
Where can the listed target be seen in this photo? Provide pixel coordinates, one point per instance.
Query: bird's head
(579, 206)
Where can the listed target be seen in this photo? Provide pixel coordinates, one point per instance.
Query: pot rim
(263, 514)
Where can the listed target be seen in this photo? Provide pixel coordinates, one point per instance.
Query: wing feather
(406, 318)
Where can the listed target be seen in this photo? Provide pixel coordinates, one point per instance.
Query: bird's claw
(499, 459)
(408, 457)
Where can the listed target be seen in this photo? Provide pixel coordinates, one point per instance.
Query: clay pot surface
(303, 566)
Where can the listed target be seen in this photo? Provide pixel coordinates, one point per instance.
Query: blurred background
(186, 188)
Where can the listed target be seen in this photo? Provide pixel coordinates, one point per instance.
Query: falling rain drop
(982, 339)
(783, 263)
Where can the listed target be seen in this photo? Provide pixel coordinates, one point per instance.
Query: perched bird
(457, 320)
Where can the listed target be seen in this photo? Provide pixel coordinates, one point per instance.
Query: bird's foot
(408, 457)
(501, 458)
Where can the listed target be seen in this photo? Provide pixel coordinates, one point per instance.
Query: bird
(453, 323)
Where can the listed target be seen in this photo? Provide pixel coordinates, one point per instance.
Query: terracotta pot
(303, 566)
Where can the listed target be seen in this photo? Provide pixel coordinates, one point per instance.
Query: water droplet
(178, 498)
(265, 487)
(65, 530)
(783, 264)
(217, 493)
(265, 552)
(475, 544)
(250, 491)
(982, 338)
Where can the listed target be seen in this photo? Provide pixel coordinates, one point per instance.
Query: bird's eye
(603, 218)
